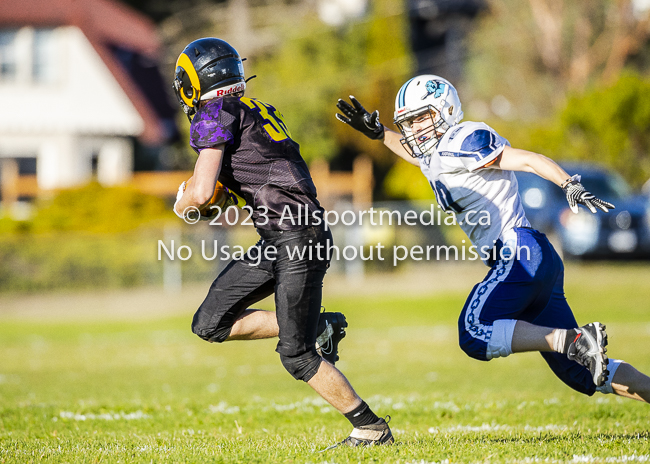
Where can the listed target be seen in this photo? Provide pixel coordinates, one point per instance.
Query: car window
(532, 187)
(607, 187)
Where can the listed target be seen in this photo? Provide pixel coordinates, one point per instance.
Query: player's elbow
(534, 162)
(202, 194)
(201, 198)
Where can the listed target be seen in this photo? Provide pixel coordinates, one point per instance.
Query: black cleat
(368, 435)
(331, 330)
(588, 349)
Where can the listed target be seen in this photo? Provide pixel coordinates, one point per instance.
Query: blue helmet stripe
(402, 93)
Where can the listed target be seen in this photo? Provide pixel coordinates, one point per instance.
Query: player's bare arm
(515, 159)
(393, 140)
(200, 189)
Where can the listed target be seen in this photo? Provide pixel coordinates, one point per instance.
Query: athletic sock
(361, 415)
(559, 338)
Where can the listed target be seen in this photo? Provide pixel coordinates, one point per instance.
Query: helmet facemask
(424, 141)
(182, 84)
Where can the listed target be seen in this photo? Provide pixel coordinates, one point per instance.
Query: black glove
(357, 117)
(576, 194)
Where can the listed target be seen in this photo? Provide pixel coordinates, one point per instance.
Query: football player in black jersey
(245, 145)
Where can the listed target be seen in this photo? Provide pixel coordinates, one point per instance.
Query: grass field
(127, 389)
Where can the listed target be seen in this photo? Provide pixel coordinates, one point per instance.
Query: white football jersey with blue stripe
(462, 187)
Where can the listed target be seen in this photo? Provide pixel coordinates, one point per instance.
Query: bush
(609, 125)
(94, 208)
(91, 208)
(91, 237)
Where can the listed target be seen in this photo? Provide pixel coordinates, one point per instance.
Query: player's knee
(495, 343)
(302, 367)
(473, 348)
(500, 343)
(208, 330)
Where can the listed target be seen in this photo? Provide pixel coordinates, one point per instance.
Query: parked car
(622, 233)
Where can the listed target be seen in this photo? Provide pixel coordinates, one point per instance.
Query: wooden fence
(331, 185)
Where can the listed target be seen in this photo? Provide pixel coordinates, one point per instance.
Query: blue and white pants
(525, 284)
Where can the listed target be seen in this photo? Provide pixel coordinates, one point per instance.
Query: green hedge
(93, 237)
(82, 260)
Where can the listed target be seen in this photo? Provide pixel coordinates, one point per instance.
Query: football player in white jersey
(520, 305)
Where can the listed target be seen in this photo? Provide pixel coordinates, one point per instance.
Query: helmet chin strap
(191, 110)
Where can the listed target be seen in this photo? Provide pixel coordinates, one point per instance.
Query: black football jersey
(261, 162)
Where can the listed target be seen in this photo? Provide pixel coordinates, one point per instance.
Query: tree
(610, 125)
(317, 64)
(579, 40)
(534, 52)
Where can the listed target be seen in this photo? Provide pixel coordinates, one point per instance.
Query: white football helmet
(422, 95)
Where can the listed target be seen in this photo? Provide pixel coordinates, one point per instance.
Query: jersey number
(275, 125)
(444, 197)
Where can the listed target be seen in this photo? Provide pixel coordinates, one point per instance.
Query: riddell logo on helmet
(239, 87)
(229, 90)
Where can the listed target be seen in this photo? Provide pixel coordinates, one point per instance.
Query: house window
(26, 166)
(44, 56)
(8, 58)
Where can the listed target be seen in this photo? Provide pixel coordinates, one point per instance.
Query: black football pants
(298, 286)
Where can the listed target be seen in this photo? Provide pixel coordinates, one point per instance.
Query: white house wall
(85, 98)
(61, 163)
(65, 160)
(115, 161)
(82, 113)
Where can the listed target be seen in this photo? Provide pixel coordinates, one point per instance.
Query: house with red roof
(81, 93)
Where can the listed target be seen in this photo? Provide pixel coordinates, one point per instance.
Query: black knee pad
(302, 367)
